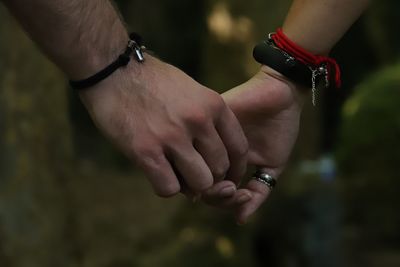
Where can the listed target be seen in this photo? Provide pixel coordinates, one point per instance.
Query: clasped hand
(189, 139)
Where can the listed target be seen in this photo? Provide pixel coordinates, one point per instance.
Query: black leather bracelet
(268, 54)
(135, 46)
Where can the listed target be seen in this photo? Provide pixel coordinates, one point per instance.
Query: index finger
(236, 144)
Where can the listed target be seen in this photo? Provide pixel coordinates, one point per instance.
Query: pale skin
(206, 143)
(156, 114)
(268, 106)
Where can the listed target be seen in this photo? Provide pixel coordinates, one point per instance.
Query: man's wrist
(94, 55)
(130, 77)
(134, 50)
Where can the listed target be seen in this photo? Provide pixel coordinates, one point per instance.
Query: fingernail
(227, 191)
(244, 198)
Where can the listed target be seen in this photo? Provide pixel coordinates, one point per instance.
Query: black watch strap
(267, 54)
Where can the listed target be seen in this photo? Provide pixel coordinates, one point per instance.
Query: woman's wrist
(300, 93)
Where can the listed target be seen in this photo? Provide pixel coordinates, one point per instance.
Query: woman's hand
(268, 107)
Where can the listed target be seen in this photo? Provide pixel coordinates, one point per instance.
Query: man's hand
(182, 134)
(158, 116)
(268, 107)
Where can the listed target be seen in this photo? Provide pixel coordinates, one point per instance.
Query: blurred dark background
(68, 198)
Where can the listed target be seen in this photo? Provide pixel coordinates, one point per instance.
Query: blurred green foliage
(368, 154)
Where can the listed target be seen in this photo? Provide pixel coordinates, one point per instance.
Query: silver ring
(265, 178)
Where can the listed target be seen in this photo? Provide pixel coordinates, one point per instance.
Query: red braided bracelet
(313, 61)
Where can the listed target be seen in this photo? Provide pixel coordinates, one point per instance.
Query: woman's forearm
(317, 25)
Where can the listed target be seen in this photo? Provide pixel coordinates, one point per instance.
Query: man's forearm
(317, 25)
(80, 36)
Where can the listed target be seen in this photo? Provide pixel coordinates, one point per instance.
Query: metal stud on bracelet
(135, 45)
(296, 63)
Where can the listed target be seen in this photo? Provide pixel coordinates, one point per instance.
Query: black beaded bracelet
(135, 45)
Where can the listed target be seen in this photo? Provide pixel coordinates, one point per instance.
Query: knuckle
(171, 137)
(168, 190)
(197, 118)
(148, 156)
(216, 98)
(220, 170)
(242, 149)
(216, 102)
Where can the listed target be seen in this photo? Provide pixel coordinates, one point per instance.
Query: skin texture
(180, 133)
(268, 106)
(325, 20)
(164, 120)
